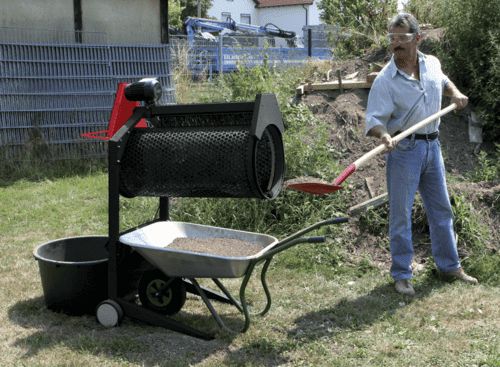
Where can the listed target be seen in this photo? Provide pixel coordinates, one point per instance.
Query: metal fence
(217, 55)
(56, 85)
(53, 89)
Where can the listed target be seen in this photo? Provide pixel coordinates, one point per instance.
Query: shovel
(317, 187)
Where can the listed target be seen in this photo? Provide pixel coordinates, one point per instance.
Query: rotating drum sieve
(206, 150)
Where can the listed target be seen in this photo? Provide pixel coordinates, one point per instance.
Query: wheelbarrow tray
(152, 242)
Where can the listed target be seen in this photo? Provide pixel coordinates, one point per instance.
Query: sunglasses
(400, 37)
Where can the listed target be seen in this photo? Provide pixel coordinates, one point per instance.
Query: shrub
(471, 55)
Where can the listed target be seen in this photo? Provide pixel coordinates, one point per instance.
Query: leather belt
(431, 136)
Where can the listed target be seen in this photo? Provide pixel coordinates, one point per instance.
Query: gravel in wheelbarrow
(182, 249)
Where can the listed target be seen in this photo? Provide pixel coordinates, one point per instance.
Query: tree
(362, 23)
(425, 11)
(174, 14)
(190, 8)
(362, 15)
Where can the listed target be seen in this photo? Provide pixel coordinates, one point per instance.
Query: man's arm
(451, 90)
(378, 112)
(381, 133)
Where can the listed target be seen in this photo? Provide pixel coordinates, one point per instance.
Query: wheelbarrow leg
(264, 285)
(209, 293)
(232, 300)
(211, 308)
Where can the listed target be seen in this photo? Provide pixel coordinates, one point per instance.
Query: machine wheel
(161, 293)
(109, 313)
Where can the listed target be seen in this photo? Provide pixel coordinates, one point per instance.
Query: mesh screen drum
(222, 161)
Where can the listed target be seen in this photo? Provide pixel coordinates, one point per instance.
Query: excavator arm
(195, 25)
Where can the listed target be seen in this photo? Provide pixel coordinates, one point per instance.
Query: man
(407, 90)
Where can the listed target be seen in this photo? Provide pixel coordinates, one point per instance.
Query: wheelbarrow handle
(297, 238)
(313, 227)
(286, 245)
(288, 242)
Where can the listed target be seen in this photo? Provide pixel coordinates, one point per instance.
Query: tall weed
(488, 168)
(481, 258)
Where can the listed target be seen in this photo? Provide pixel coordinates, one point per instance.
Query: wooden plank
(369, 204)
(300, 90)
(351, 76)
(371, 77)
(346, 84)
(332, 85)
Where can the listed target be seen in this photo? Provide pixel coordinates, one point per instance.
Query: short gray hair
(405, 20)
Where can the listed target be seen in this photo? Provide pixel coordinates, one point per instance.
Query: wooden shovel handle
(381, 148)
(361, 161)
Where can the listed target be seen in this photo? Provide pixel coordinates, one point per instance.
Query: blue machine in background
(220, 46)
(199, 25)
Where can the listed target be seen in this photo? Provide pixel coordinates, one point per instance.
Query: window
(245, 19)
(225, 16)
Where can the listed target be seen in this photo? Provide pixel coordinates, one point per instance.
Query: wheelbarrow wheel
(161, 293)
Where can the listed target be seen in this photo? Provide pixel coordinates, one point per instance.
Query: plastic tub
(73, 272)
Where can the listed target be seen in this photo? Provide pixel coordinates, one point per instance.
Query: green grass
(331, 306)
(326, 310)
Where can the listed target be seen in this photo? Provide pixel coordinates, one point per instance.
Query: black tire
(161, 293)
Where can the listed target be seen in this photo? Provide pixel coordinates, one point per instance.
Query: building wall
(124, 21)
(315, 14)
(235, 7)
(288, 18)
(42, 14)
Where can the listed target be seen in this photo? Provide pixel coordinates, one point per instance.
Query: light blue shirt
(398, 101)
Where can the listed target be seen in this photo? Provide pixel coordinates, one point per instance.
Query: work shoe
(404, 286)
(459, 274)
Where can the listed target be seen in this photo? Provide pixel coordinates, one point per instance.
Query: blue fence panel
(52, 89)
(281, 56)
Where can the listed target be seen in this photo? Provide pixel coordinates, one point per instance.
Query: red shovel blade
(316, 188)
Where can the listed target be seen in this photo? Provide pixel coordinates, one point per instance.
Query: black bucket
(74, 273)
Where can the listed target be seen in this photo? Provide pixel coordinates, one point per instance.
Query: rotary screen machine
(221, 150)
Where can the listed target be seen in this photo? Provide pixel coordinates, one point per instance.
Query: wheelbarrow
(164, 290)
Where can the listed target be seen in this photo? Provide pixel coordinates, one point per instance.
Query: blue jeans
(418, 165)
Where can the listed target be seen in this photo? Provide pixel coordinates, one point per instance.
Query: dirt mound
(345, 113)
